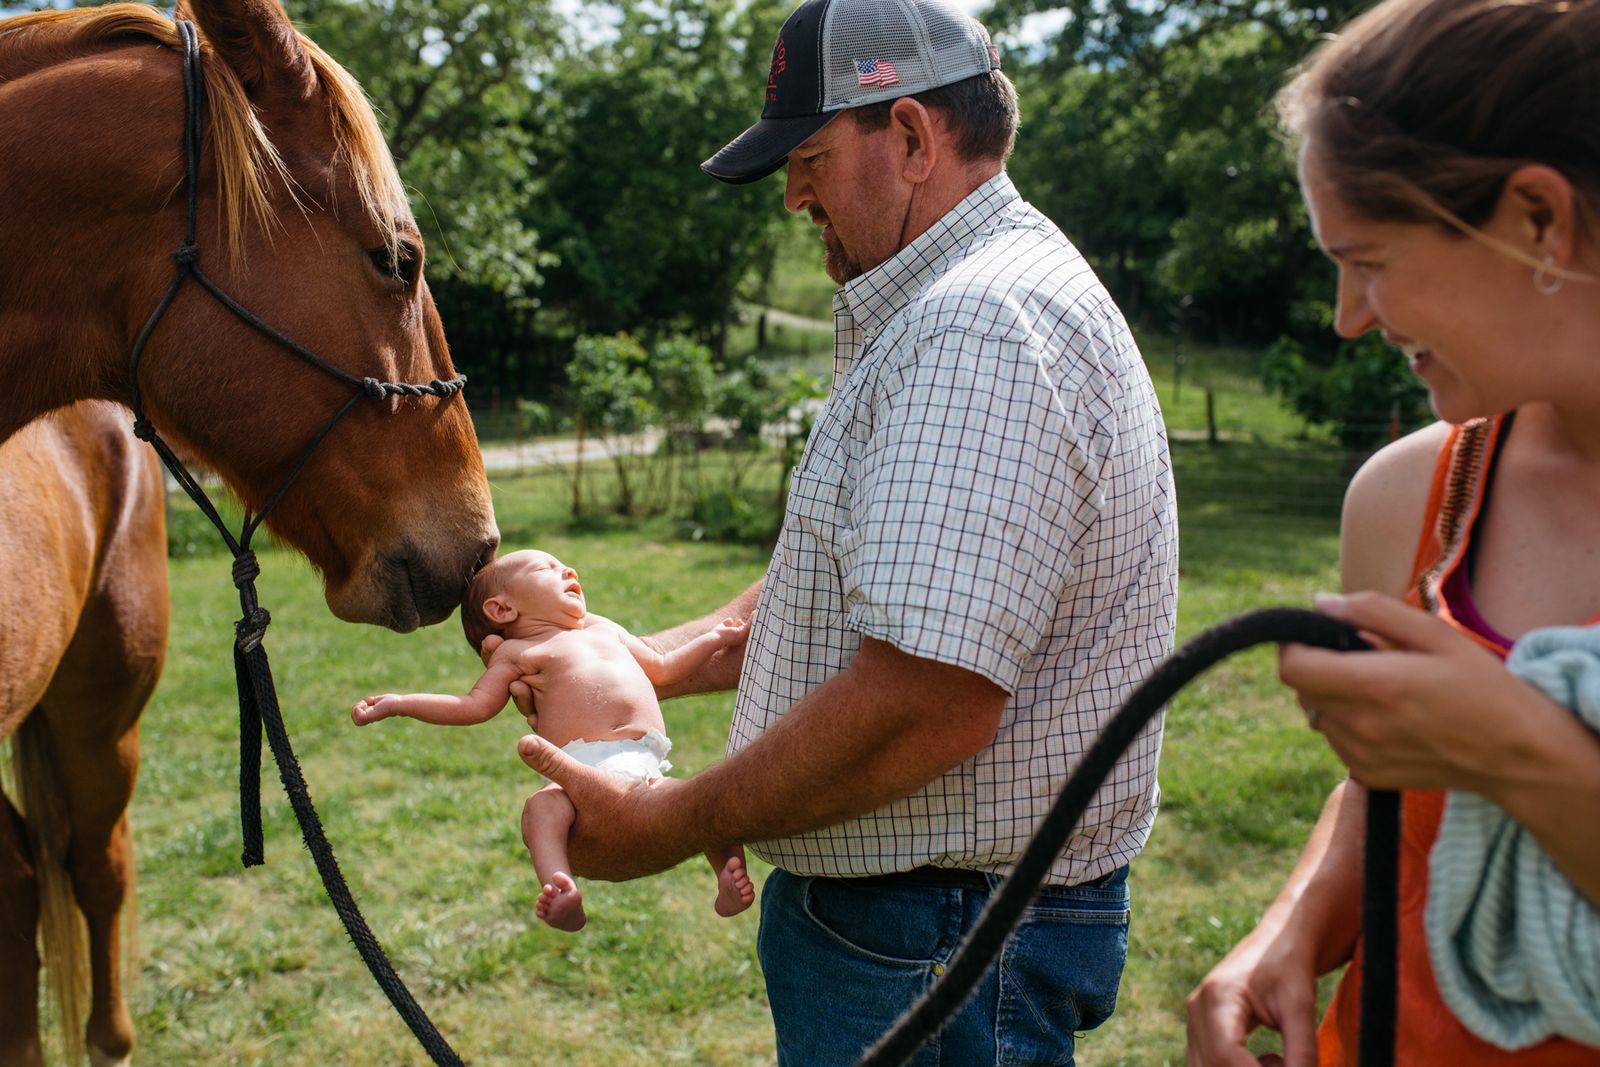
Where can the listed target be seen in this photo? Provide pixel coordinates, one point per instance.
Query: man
(978, 563)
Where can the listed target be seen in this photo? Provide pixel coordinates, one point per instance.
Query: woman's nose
(1352, 315)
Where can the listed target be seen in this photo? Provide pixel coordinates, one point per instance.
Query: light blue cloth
(1515, 948)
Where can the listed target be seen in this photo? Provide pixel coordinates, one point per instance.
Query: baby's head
(521, 588)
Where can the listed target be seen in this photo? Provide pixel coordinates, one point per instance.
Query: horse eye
(399, 263)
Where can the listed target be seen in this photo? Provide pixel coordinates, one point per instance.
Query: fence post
(1211, 416)
(577, 473)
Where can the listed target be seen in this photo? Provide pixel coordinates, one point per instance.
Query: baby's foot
(561, 904)
(734, 889)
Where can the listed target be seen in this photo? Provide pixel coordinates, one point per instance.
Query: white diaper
(642, 759)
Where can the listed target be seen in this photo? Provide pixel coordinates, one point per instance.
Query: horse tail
(63, 935)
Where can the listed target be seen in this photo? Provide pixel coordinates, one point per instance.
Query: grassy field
(252, 967)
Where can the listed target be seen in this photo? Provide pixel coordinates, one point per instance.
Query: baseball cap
(833, 55)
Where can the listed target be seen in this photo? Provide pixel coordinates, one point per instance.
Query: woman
(1450, 159)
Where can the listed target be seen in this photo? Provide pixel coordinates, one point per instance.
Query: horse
(300, 216)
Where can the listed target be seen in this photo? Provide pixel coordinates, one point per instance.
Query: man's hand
(627, 810)
(522, 697)
(522, 690)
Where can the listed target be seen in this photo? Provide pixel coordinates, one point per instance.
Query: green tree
(645, 241)
(453, 81)
(1366, 395)
(1148, 134)
(611, 391)
(683, 385)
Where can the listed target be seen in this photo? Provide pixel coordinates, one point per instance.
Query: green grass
(250, 967)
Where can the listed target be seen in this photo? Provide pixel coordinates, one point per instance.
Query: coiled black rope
(977, 952)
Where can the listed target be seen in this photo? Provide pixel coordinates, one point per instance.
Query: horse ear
(258, 42)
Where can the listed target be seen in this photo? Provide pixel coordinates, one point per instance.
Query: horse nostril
(486, 556)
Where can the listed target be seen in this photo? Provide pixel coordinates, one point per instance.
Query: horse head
(301, 219)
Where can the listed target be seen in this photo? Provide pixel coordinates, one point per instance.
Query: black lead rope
(258, 698)
(978, 951)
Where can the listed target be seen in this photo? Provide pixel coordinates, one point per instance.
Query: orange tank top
(1426, 1032)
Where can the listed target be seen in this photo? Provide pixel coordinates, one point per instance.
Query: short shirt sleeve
(974, 489)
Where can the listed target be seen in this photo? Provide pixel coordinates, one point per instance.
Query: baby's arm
(480, 705)
(663, 668)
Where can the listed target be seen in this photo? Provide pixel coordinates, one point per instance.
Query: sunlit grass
(252, 967)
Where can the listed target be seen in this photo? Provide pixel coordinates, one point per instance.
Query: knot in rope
(186, 253)
(246, 568)
(143, 430)
(375, 389)
(251, 629)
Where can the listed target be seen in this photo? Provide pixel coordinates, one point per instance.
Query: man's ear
(917, 136)
(497, 609)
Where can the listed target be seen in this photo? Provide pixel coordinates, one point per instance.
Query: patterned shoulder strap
(1462, 485)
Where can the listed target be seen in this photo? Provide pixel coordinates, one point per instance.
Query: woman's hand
(1427, 709)
(1264, 981)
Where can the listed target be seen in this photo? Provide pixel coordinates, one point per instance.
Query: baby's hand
(731, 631)
(371, 709)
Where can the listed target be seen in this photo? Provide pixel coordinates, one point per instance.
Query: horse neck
(87, 230)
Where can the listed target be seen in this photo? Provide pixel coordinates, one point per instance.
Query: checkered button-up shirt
(987, 486)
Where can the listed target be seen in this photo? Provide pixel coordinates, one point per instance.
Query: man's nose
(796, 189)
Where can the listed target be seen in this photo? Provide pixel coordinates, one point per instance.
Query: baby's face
(541, 587)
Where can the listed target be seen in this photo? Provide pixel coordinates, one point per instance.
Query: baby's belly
(603, 704)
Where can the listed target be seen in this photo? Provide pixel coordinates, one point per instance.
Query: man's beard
(837, 263)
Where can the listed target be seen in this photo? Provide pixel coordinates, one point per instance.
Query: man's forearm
(721, 670)
(879, 731)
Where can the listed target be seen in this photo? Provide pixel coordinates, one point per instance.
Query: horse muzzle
(410, 587)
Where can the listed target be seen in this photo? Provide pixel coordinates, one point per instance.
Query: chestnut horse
(302, 219)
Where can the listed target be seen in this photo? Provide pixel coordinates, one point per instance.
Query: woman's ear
(1541, 207)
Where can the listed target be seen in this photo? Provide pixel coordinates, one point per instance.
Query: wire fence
(713, 485)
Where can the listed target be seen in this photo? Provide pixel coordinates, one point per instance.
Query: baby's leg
(546, 820)
(734, 889)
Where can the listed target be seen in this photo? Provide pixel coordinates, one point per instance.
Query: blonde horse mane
(246, 158)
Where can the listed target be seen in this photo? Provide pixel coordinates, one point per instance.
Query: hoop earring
(1547, 285)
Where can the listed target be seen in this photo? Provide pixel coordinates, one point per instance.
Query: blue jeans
(842, 962)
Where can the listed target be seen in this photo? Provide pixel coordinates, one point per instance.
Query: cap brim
(761, 150)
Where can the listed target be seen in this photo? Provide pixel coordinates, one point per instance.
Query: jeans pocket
(1060, 972)
(833, 982)
(890, 927)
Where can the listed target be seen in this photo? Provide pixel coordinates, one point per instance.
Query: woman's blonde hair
(1420, 110)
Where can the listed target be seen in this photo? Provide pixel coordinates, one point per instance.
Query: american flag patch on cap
(876, 72)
